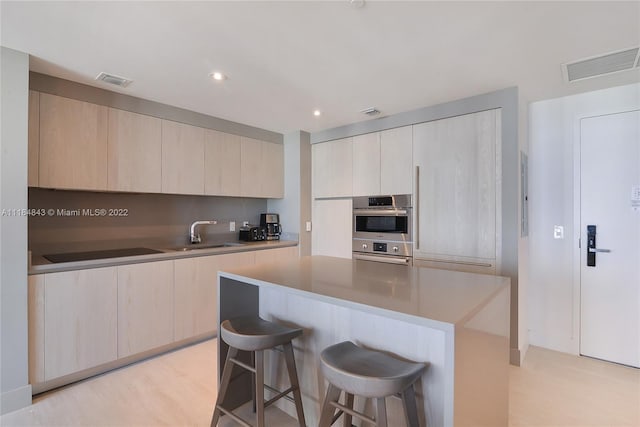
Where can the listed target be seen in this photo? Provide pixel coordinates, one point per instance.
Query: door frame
(577, 230)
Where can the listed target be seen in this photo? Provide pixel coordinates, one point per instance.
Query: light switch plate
(232, 226)
(308, 225)
(558, 232)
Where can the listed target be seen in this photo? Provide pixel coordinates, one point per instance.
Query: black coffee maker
(270, 222)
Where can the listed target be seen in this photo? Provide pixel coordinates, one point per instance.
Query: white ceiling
(285, 59)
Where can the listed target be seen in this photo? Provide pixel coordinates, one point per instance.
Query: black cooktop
(108, 253)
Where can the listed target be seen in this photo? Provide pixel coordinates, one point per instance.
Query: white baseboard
(514, 357)
(15, 399)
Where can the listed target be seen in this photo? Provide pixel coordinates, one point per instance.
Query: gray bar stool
(367, 373)
(256, 335)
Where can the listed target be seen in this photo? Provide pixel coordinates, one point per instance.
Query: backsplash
(80, 220)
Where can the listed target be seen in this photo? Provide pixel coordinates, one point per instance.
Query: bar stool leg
(259, 387)
(293, 378)
(349, 404)
(253, 381)
(224, 384)
(333, 393)
(381, 412)
(410, 408)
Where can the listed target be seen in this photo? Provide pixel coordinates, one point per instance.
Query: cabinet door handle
(417, 199)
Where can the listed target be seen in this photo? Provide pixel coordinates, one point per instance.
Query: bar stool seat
(370, 374)
(256, 335)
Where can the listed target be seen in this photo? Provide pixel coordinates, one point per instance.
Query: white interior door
(610, 200)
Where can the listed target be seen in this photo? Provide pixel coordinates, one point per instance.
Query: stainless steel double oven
(382, 229)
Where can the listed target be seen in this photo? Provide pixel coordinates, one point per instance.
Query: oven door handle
(388, 260)
(380, 212)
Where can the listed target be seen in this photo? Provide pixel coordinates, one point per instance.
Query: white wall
(14, 95)
(295, 207)
(553, 285)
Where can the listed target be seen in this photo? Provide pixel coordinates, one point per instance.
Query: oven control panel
(399, 248)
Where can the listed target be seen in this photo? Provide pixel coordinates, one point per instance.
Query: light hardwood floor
(178, 389)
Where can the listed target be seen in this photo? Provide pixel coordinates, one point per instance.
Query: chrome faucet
(195, 238)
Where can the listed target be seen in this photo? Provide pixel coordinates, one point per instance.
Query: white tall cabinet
(396, 156)
(332, 168)
(382, 162)
(331, 233)
(332, 190)
(457, 198)
(366, 164)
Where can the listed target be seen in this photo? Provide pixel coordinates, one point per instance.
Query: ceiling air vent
(113, 79)
(602, 64)
(370, 111)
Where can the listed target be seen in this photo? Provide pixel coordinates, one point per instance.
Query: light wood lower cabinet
(145, 306)
(277, 255)
(73, 320)
(87, 318)
(195, 295)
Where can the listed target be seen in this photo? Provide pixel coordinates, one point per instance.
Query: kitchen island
(456, 322)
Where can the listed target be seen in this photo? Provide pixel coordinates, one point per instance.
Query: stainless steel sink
(205, 246)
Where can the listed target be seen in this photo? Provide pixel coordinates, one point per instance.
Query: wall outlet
(232, 226)
(308, 226)
(558, 232)
(245, 223)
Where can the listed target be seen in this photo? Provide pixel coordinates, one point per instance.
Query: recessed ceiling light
(217, 75)
(316, 113)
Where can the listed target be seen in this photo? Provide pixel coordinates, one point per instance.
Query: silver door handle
(594, 250)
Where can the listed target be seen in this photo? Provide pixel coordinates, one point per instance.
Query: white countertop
(41, 265)
(447, 297)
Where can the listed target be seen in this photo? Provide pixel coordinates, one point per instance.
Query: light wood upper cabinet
(273, 179)
(77, 145)
(396, 161)
(73, 144)
(134, 152)
(34, 138)
(221, 163)
(182, 158)
(251, 167)
(366, 164)
(332, 168)
(80, 319)
(458, 195)
(145, 306)
(262, 168)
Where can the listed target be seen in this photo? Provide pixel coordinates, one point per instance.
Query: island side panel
(482, 366)
(235, 299)
(325, 324)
